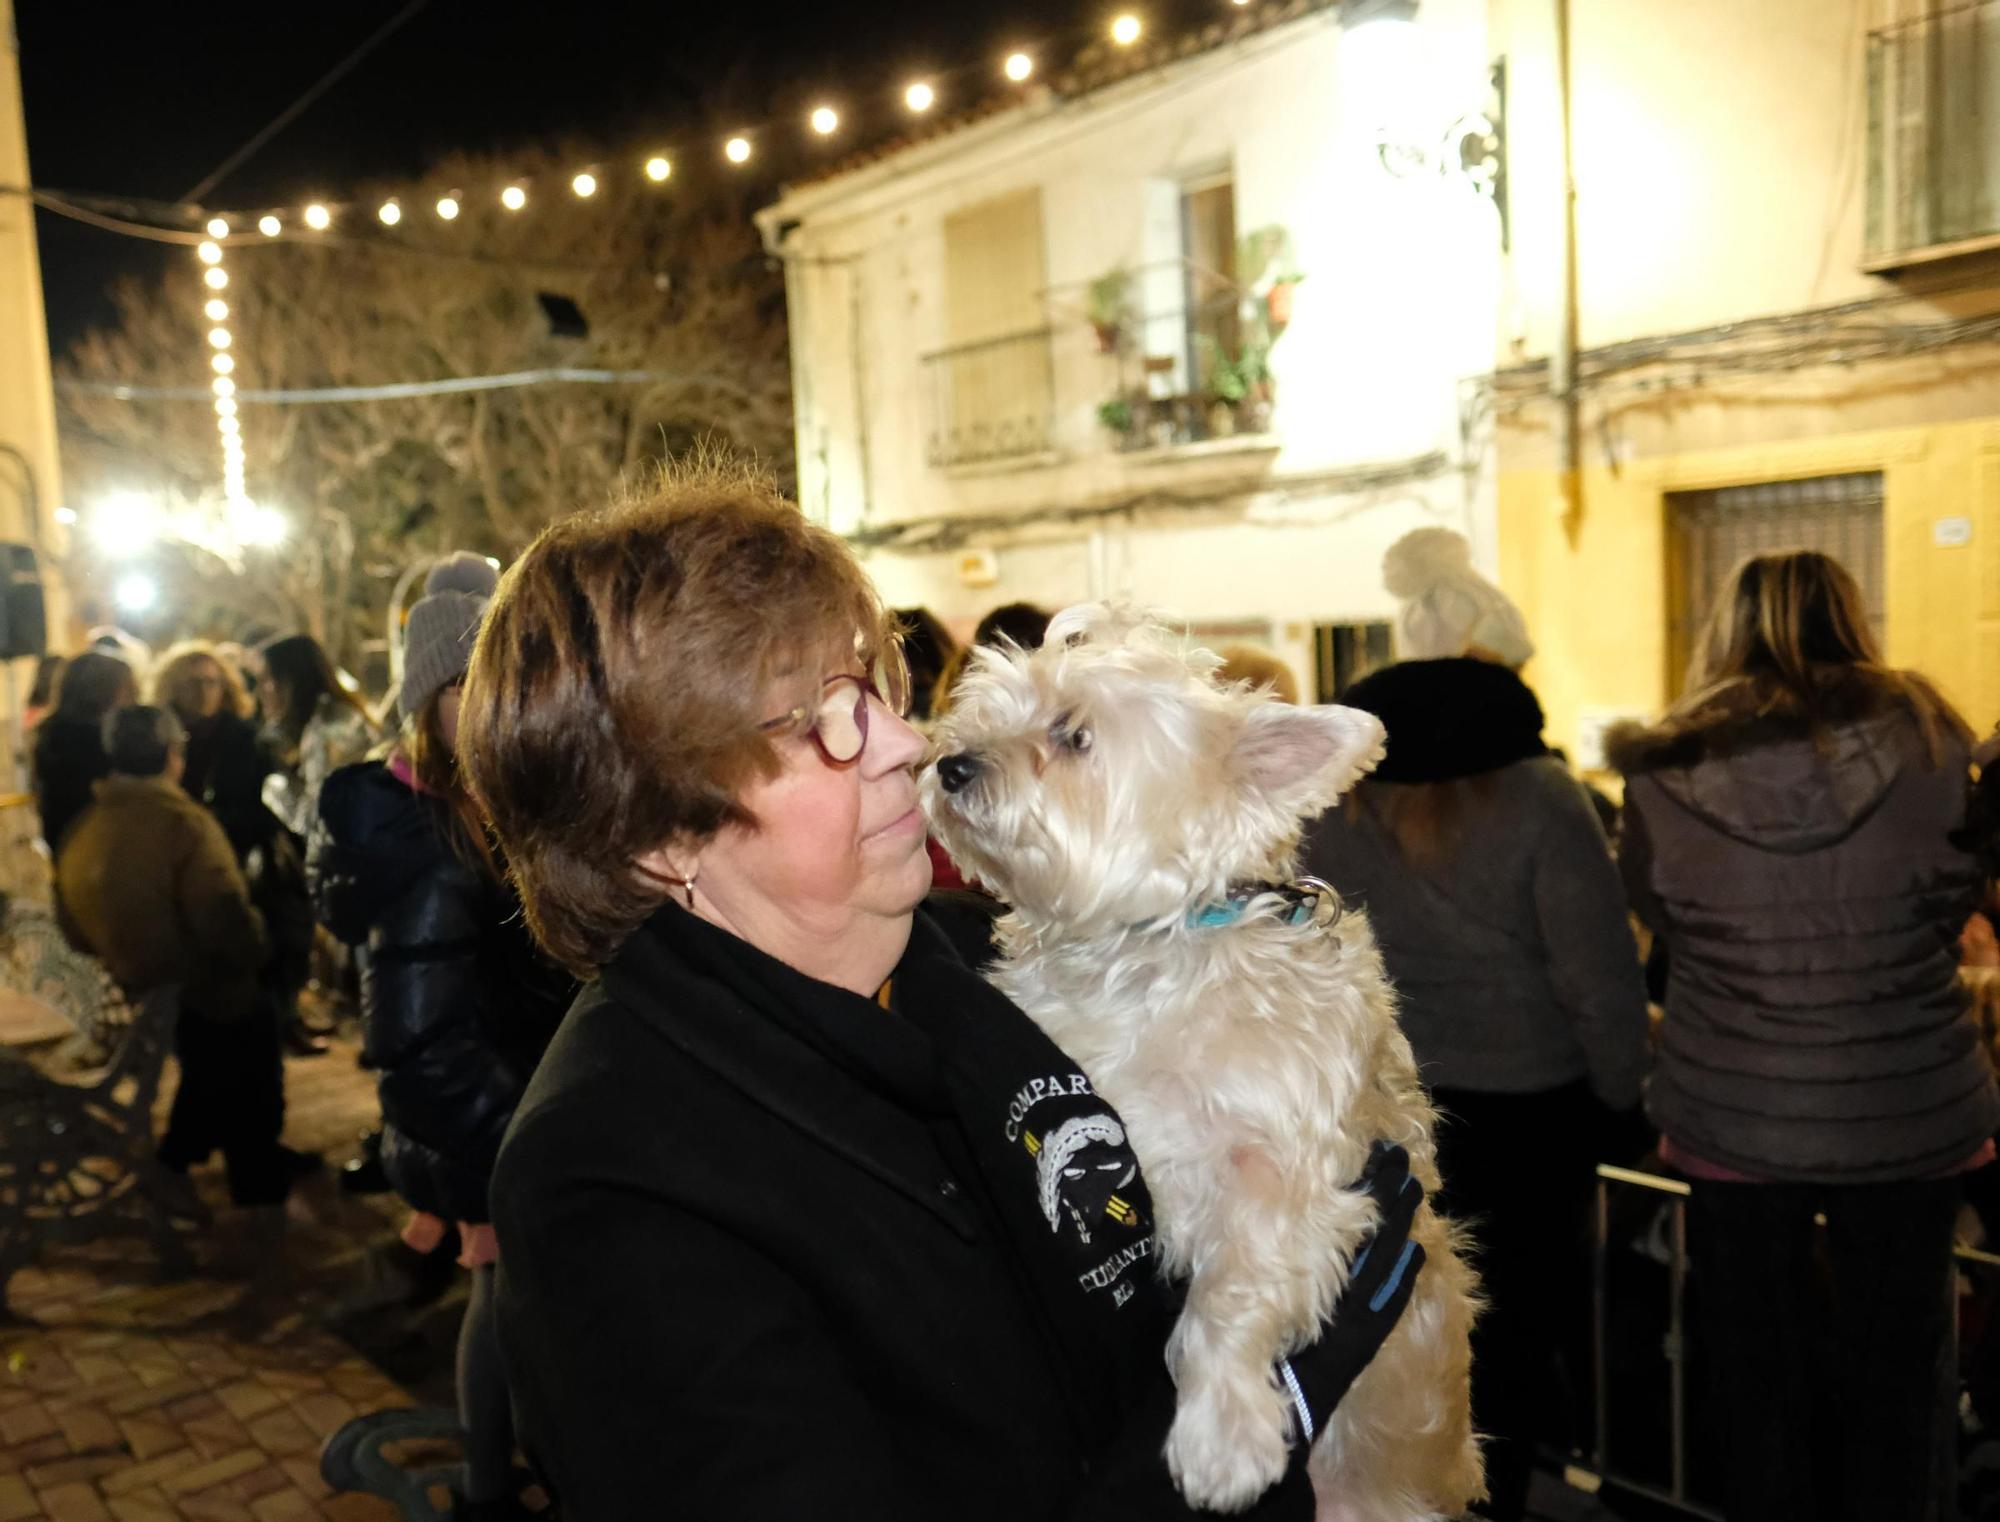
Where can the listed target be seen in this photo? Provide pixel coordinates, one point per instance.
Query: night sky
(144, 100)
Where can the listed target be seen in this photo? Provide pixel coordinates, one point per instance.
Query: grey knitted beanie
(437, 640)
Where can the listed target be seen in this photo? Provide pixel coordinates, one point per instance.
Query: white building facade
(1182, 332)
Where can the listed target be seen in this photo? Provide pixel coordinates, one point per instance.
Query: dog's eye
(1068, 735)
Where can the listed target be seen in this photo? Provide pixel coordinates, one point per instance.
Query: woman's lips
(911, 819)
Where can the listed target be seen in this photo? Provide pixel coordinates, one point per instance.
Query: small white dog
(1134, 815)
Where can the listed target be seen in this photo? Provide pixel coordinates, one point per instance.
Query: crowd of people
(741, 1225)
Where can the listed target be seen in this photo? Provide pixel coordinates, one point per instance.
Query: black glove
(1385, 1276)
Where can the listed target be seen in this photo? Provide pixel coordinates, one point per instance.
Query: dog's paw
(1227, 1445)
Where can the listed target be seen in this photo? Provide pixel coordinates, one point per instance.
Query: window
(1208, 250)
(1344, 653)
(1711, 531)
(1934, 131)
(991, 388)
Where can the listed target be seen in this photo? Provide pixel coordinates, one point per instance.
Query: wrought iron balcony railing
(992, 400)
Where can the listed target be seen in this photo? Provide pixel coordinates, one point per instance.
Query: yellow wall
(27, 399)
(1595, 591)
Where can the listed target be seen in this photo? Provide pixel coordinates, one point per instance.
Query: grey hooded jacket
(1810, 902)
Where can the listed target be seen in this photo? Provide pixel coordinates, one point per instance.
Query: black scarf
(1450, 719)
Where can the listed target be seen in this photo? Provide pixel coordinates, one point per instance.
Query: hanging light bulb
(658, 168)
(390, 213)
(1019, 66)
(824, 120)
(216, 310)
(218, 227)
(218, 338)
(269, 226)
(1125, 30)
(222, 364)
(584, 184)
(447, 207)
(218, 279)
(222, 385)
(318, 218)
(737, 150)
(209, 252)
(513, 198)
(225, 406)
(920, 97)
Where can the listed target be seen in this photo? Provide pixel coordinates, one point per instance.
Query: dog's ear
(1302, 759)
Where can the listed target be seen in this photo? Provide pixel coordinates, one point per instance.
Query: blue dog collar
(1313, 903)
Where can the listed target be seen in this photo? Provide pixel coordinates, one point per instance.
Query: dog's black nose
(957, 769)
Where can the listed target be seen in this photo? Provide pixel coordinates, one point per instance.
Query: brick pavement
(124, 1397)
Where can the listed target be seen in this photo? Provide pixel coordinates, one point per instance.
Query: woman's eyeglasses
(837, 720)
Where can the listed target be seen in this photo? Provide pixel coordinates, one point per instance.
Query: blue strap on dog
(1313, 903)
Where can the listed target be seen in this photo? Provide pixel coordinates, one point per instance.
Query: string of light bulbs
(919, 97)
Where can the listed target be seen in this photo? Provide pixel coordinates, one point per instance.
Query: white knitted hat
(437, 640)
(1447, 607)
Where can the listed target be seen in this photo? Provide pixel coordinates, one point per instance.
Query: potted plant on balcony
(1269, 278)
(1112, 310)
(1120, 417)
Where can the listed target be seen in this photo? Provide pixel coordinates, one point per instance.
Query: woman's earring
(686, 884)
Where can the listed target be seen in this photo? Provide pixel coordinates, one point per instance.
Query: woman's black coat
(456, 1003)
(769, 1251)
(69, 763)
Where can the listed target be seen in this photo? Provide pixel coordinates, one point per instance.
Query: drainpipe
(1562, 362)
(857, 350)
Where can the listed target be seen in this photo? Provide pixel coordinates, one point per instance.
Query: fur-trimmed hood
(1754, 763)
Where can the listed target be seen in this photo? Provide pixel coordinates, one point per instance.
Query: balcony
(993, 400)
(1933, 147)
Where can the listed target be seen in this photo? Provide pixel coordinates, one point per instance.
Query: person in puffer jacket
(1788, 832)
(457, 1003)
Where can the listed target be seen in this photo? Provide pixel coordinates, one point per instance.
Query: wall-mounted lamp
(1379, 54)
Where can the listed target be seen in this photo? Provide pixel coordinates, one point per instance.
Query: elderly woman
(770, 1243)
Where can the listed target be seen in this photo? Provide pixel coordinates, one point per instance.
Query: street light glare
(447, 207)
(657, 169)
(125, 521)
(269, 226)
(318, 218)
(390, 213)
(1019, 66)
(1125, 30)
(264, 526)
(584, 184)
(824, 120)
(737, 150)
(920, 96)
(136, 593)
(513, 198)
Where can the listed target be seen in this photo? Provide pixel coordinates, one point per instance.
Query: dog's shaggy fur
(1108, 789)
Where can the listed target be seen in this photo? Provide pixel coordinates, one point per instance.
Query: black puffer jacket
(1806, 885)
(457, 1002)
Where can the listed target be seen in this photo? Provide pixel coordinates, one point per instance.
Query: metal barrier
(1677, 1191)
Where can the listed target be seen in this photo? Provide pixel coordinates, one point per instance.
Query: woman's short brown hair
(620, 675)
